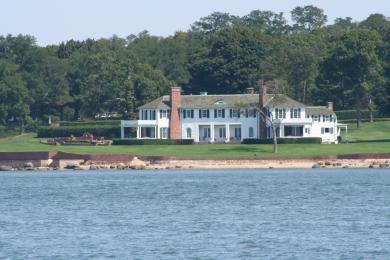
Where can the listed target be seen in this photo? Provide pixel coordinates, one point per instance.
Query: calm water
(224, 214)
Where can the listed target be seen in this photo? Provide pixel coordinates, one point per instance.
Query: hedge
(91, 123)
(66, 131)
(152, 142)
(306, 140)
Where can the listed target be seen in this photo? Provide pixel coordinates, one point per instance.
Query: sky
(55, 21)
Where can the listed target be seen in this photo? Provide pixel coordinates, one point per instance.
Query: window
(152, 114)
(189, 133)
(144, 115)
(222, 132)
(293, 131)
(237, 132)
(307, 130)
(188, 113)
(236, 113)
(280, 113)
(163, 114)
(252, 112)
(327, 130)
(315, 118)
(326, 118)
(219, 113)
(206, 132)
(251, 132)
(295, 113)
(164, 132)
(204, 113)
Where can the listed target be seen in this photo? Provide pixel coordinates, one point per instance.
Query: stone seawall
(60, 160)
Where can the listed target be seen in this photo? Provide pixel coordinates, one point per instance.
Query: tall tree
(308, 18)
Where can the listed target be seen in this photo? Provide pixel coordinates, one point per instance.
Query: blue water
(197, 214)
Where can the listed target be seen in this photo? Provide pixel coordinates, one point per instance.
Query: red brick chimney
(263, 99)
(174, 121)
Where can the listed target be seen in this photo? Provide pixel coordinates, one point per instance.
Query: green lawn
(369, 131)
(380, 130)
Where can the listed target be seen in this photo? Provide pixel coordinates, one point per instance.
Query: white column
(156, 133)
(122, 131)
(138, 132)
(212, 132)
(227, 132)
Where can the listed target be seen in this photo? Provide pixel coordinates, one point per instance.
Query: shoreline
(62, 161)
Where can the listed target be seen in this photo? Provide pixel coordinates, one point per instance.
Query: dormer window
(220, 102)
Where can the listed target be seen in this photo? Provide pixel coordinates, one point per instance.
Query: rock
(112, 166)
(85, 167)
(383, 165)
(28, 165)
(42, 168)
(137, 163)
(345, 166)
(6, 168)
(72, 166)
(375, 162)
(321, 163)
(338, 164)
(121, 166)
(93, 167)
(327, 163)
(371, 166)
(315, 166)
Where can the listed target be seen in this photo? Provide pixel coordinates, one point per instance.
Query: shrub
(298, 140)
(153, 142)
(107, 131)
(91, 123)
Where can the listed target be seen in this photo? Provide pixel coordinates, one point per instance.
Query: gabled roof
(280, 100)
(319, 111)
(224, 101)
(159, 103)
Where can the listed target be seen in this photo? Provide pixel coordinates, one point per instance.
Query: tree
(214, 22)
(231, 63)
(354, 65)
(14, 97)
(266, 21)
(308, 18)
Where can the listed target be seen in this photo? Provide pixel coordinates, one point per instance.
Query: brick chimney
(330, 106)
(174, 122)
(263, 99)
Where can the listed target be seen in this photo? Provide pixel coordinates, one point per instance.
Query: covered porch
(220, 133)
(342, 128)
(141, 130)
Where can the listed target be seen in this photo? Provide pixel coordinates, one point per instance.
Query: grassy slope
(380, 130)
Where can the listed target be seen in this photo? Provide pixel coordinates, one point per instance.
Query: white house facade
(231, 118)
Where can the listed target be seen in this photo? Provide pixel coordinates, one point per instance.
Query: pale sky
(54, 21)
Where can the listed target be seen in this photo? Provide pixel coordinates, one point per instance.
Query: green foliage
(107, 131)
(152, 142)
(91, 123)
(306, 140)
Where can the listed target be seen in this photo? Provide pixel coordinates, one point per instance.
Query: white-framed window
(163, 113)
(280, 113)
(189, 113)
(237, 132)
(236, 113)
(295, 113)
(204, 113)
(152, 114)
(189, 134)
(222, 132)
(220, 113)
(164, 132)
(206, 132)
(315, 118)
(307, 130)
(327, 130)
(251, 132)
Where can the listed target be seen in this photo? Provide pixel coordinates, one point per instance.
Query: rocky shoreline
(140, 164)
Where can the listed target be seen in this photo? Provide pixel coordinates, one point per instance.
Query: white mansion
(231, 118)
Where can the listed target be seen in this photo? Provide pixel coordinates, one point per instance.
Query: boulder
(93, 167)
(72, 166)
(6, 168)
(137, 163)
(28, 165)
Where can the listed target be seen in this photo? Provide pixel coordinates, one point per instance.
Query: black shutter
(208, 113)
(192, 113)
(184, 113)
(246, 112)
(231, 113)
(200, 113)
(223, 113)
(254, 112)
(239, 113)
(215, 113)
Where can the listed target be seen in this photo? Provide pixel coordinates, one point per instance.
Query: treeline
(345, 62)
